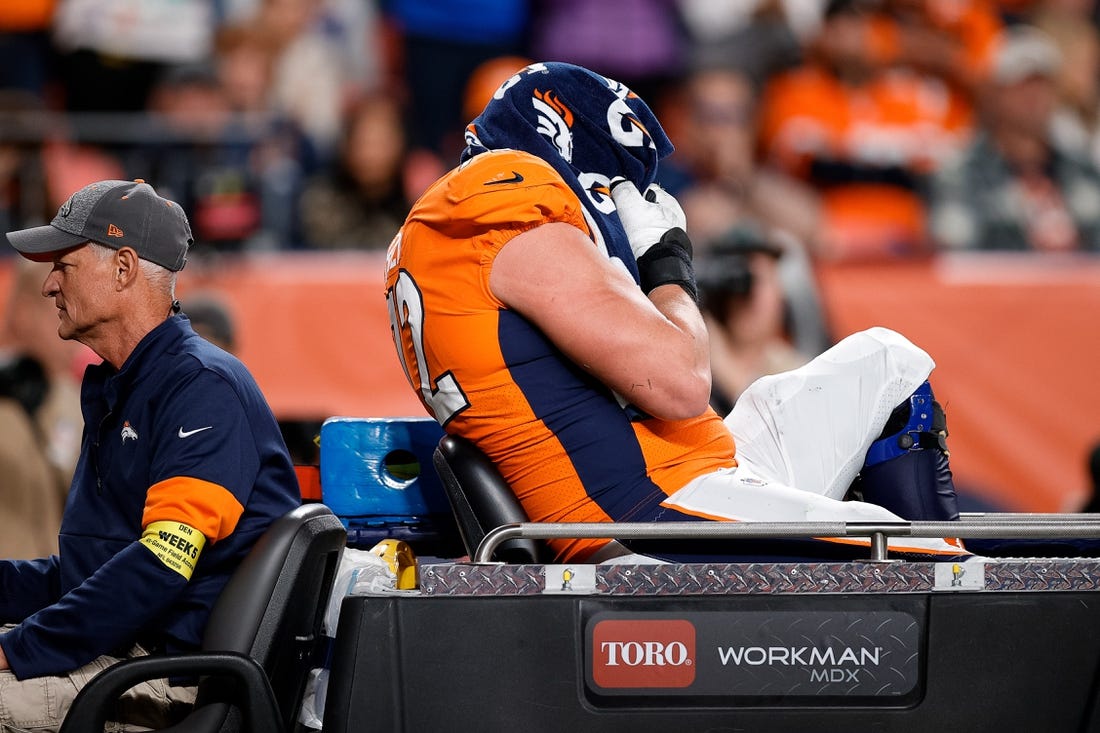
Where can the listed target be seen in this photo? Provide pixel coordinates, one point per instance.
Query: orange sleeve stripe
(208, 507)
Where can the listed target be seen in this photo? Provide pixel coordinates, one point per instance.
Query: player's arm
(651, 350)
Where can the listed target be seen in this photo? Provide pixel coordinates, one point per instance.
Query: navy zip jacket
(182, 467)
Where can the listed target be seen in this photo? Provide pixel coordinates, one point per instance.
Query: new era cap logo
(113, 231)
(644, 653)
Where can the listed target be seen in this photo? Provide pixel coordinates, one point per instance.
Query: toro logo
(643, 653)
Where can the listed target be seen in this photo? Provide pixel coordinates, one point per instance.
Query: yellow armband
(176, 545)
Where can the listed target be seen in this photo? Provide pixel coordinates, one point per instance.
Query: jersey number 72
(405, 302)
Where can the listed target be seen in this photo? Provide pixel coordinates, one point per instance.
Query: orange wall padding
(1014, 338)
(314, 331)
(1017, 352)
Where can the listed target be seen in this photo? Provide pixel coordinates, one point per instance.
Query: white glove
(645, 219)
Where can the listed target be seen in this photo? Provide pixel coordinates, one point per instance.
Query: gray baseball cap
(116, 214)
(1025, 51)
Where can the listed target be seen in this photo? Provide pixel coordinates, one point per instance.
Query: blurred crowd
(820, 129)
(851, 128)
(805, 131)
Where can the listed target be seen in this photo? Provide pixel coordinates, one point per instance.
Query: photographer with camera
(744, 306)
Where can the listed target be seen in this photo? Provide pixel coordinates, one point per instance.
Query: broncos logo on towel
(588, 127)
(555, 122)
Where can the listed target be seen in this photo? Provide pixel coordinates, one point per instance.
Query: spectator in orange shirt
(864, 135)
(950, 39)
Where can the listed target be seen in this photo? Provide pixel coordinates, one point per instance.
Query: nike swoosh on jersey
(517, 177)
(188, 433)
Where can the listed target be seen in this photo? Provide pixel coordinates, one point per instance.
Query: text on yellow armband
(176, 545)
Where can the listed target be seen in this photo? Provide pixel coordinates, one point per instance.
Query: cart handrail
(971, 525)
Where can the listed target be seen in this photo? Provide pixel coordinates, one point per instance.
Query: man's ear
(126, 267)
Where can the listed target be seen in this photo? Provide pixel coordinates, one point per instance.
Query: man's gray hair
(159, 277)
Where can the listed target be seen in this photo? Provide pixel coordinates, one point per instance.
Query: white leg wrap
(810, 428)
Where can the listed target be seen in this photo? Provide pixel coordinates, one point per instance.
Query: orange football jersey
(560, 438)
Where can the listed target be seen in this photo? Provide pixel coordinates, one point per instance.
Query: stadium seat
(260, 642)
(482, 500)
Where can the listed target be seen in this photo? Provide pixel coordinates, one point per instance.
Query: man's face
(81, 285)
(723, 131)
(1026, 106)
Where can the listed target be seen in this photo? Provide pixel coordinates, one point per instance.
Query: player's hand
(647, 218)
(655, 226)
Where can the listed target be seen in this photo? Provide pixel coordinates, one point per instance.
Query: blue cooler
(377, 477)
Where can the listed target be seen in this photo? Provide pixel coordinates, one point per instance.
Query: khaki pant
(40, 704)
